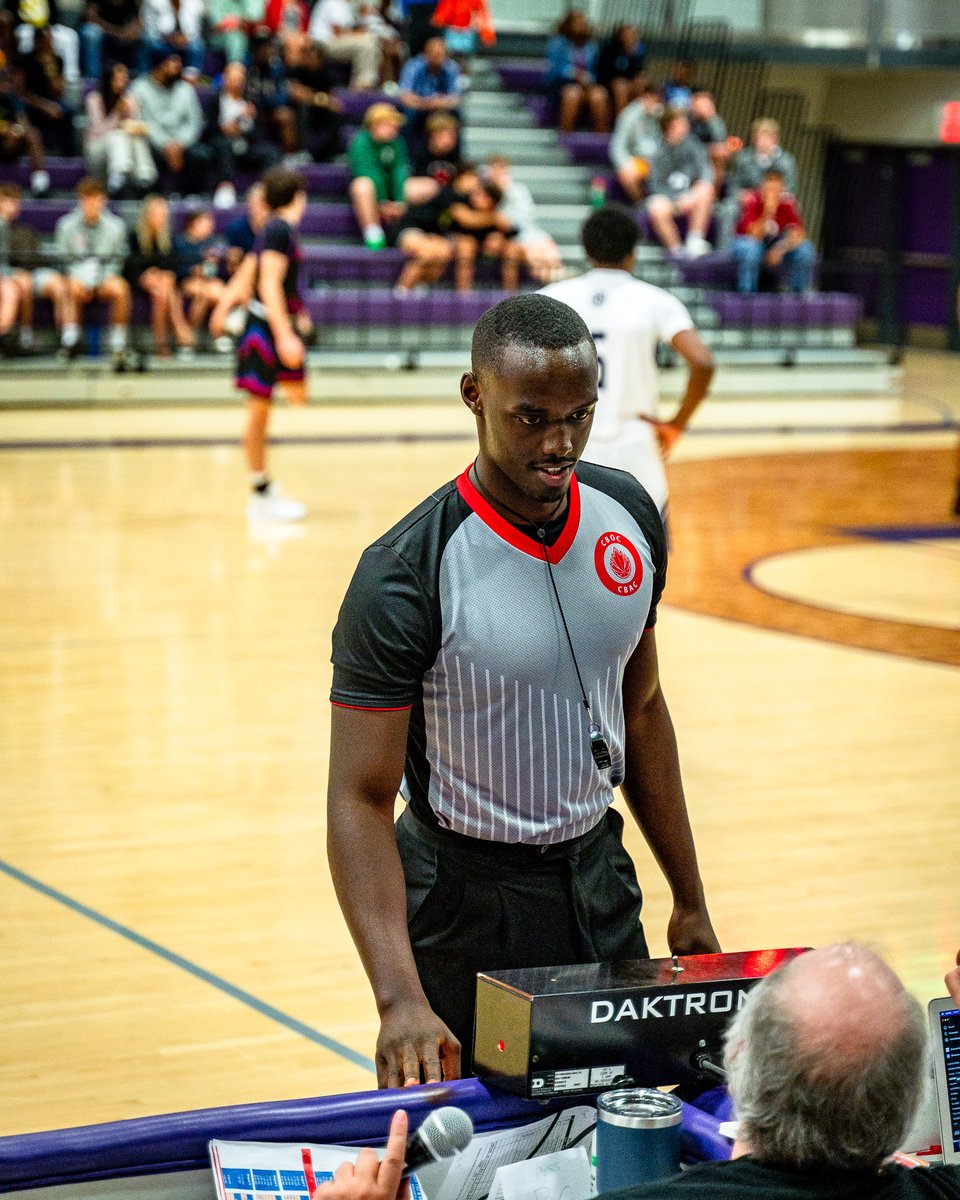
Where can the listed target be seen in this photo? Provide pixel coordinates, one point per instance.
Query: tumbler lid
(639, 1108)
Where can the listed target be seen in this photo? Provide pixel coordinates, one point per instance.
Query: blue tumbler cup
(638, 1137)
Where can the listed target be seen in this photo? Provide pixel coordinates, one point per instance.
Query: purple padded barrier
(178, 1141)
(356, 264)
(379, 306)
(717, 1103)
(328, 219)
(522, 74)
(831, 310)
(587, 148)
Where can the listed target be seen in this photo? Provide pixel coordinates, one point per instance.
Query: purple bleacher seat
(542, 108)
(321, 218)
(522, 74)
(587, 148)
(772, 310)
(326, 264)
(379, 306)
(716, 270)
(65, 173)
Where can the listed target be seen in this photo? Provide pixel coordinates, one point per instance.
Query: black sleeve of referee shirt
(384, 639)
(652, 526)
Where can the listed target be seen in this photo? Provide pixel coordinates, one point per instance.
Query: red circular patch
(618, 564)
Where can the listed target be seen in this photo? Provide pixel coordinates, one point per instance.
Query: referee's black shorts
(485, 906)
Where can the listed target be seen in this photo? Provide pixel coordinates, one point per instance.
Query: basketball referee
(495, 661)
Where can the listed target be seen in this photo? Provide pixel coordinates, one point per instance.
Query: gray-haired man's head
(826, 1062)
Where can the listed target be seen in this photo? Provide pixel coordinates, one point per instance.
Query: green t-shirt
(386, 163)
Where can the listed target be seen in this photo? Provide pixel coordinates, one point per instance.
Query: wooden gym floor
(170, 936)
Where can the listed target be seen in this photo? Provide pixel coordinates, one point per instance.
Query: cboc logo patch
(618, 564)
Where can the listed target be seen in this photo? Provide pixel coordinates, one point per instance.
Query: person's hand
(369, 1178)
(774, 256)
(52, 109)
(173, 153)
(392, 210)
(414, 1041)
(794, 237)
(952, 980)
(290, 350)
(667, 434)
(691, 932)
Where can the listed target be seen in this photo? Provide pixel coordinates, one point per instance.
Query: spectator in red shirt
(771, 232)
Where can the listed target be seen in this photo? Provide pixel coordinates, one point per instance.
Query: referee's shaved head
(532, 322)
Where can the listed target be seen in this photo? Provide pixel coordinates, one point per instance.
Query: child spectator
(91, 245)
(242, 232)
(429, 83)
(636, 138)
(177, 24)
(150, 266)
(18, 136)
(197, 263)
(538, 250)
(680, 184)
(336, 27)
(170, 110)
(620, 66)
(111, 30)
(437, 160)
(230, 25)
(25, 276)
(571, 75)
(318, 112)
(44, 92)
(233, 136)
(771, 232)
(478, 228)
(115, 139)
(747, 171)
(380, 166)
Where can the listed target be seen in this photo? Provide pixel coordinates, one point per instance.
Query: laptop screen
(950, 1043)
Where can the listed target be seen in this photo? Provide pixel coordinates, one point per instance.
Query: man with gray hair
(826, 1064)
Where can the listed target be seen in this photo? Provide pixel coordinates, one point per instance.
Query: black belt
(519, 854)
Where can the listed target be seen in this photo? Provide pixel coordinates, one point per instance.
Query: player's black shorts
(259, 368)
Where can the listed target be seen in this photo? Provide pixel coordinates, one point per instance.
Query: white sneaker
(223, 344)
(225, 196)
(696, 246)
(272, 505)
(40, 183)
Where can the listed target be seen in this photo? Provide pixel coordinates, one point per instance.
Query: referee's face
(534, 411)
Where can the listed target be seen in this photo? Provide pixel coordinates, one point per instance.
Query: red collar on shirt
(510, 533)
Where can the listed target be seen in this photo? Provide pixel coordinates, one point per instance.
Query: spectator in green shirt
(380, 166)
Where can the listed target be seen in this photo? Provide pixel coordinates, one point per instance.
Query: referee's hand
(415, 1047)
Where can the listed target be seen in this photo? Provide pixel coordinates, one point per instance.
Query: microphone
(444, 1133)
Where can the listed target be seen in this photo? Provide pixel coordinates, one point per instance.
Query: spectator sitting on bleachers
(335, 25)
(437, 160)
(620, 66)
(177, 24)
(422, 235)
(25, 275)
(43, 89)
(230, 23)
(197, 255)
(537, 248)
(44, 14)
(18, 136)
(111, 30)
(747, 171)
(241, 234)
(171, 112)
(267, 88)
(288, 20)
(430, 82)
(151, 267)
(380, 167)
(680, 183)
(571, 75)
(677, 91)
(771, 232)
(374, 18)
(318, 112)
(91, 246)
(479, 228)
(636, 138)
(234, 138)
(708, 127)
(116, 145)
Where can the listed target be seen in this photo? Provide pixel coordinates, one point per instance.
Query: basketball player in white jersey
(628, 318)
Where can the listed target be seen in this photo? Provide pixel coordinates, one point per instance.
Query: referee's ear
(470, 393)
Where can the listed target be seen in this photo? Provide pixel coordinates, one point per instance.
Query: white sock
(70, 335)
(259, 480)
(118, 338)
